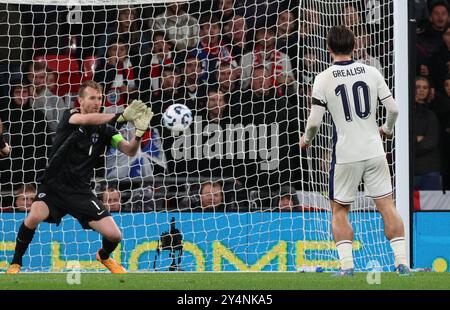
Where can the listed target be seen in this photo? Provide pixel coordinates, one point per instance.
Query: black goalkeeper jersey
(75, 152)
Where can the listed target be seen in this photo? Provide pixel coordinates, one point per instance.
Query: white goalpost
(232, 193)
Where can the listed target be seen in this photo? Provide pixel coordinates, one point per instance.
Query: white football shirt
(350, 91)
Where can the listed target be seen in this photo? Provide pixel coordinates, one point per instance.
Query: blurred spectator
(427, 155)
(168, 94)
(235, 38)
(117, 75)
(228, 82)
(286, 199)
(310, 23)
(352, 16)
(429, 39)
(28, 137)
(12, 47)
(209, 198)
(217, 108)
(279, 165)
(226, 12)
(161, 56)
(440, 105)
(440, 64)
(194, 87)
(24, 197)
(139, 200)
(287, 37)
(361, 53)
(42, 98)
(421, 12)
(309, 67)
(178, 26)
(211, 49)
(111, 199)
(125, 28)
(277, 64)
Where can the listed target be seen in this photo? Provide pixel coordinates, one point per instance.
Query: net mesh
(233, 192)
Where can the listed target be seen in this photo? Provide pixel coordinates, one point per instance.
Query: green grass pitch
(224, 281)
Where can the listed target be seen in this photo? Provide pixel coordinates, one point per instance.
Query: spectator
(427, 155)
(117, 75)
(226, 12)
(260, 108)
(361, 53)
(168, 94)
(211, 49)
(352, 16)
(429, 39)
(287, 37)
(194, 88)
(277, 64)
(210, 198)
(178, 26)
(440, 66)
(161, 56)
(309, 67)
(141, 199)
(235, 38)
(421, 12)
(217, 108)
(12, 40)
(440, 105)
(28, 137)
(24, 197)
(228, 82)
(215, 119)
(42, 98)
(111, 199)
(125, 28)
(286, 199)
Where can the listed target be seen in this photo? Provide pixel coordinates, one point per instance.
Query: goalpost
(261, 57)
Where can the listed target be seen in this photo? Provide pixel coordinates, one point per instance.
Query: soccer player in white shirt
(350, 92)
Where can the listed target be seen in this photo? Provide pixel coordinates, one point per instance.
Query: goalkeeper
(81, 138)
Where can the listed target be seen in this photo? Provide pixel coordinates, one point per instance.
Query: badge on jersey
(94, 138)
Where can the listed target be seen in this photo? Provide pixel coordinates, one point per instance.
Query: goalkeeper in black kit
(81, 138)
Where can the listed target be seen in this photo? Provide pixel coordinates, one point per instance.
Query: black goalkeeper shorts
(85, 207)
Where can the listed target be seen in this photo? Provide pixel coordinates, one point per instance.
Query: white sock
(399, 249)
(344, 248)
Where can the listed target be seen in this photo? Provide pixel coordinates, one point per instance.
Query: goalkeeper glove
(142, 121)
(136, 108)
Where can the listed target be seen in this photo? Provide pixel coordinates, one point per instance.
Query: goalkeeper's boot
(344, 273)
(13, 269)
(111, 264)
(403, 270)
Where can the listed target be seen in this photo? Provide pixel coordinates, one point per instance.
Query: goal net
(233, 192)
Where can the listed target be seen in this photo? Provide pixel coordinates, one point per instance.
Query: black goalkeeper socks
(107, 248)
(24, 238)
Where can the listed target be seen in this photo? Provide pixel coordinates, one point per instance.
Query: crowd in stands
(233, 63)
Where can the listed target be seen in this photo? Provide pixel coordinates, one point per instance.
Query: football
(177, 117)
